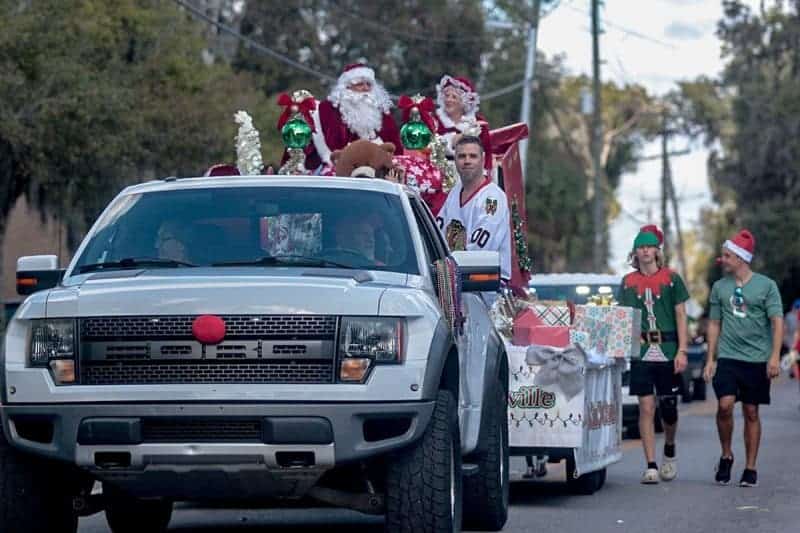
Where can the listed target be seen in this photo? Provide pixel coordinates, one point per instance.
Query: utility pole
(674, 201)
(527, 88)
(665, 183)
(598, 255)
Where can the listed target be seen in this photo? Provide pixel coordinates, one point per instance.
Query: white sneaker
(669, 469)
(650, 477)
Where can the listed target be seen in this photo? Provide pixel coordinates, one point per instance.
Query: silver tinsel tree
(248, 145)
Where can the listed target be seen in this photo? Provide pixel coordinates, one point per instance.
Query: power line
(383, 28)
(299, 66)
(256, 45)
(500, 92)
(623, 29)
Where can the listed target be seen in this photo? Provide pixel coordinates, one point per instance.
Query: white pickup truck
(252, 338)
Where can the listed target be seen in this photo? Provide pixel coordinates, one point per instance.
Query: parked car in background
(694, 384)
(577, 288)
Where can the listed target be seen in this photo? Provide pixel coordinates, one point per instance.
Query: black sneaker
(749, 478)
(723, 476)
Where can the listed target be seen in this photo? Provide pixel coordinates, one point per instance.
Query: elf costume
(656, 296)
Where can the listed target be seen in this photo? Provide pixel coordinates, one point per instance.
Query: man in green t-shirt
(746, 307)
(660, 294)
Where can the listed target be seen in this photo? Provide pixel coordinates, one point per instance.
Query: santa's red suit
(346, 116)
(337, 134)
(448, 128)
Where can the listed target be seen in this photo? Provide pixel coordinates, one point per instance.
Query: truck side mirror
(480, 271)
(37, 272)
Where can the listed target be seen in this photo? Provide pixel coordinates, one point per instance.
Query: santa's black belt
(658, 336)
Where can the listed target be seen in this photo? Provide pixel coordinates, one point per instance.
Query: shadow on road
(539, 493)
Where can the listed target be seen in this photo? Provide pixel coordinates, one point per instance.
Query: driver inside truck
(172, 242)
(356, 233)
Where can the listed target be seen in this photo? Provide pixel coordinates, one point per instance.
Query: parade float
(565, 361)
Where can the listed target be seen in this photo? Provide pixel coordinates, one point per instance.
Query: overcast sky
(680, 44)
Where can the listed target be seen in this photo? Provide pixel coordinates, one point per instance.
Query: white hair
(361, 112)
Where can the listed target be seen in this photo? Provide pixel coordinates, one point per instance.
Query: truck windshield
(252, 226)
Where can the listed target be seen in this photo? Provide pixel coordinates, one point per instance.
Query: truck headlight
(367, 341)
(53, 345)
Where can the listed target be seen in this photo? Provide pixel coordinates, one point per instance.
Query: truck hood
(228, 291)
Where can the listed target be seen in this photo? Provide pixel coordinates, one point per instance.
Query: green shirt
(656, 296)
(746, 332)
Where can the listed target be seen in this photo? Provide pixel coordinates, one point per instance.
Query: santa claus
(357, 108)
(457, 113)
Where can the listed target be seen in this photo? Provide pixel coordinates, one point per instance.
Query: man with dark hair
(660, 295)
(475, 215)
(745, 332)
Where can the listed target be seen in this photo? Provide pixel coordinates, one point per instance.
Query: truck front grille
(266, 349)
(231, 371)
(236, 326)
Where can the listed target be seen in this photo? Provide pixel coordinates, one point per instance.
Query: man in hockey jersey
(475, 215)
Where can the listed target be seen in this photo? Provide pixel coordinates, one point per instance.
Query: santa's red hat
(222, 170)
(356, 72)
(655, 230)
(470, 96)
(742, 244)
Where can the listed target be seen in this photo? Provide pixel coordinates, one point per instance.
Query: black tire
(603, 475)
(127, 514)
(586, 484)
(486, 492)
(424, 483)
(35, 494)
(700, 390)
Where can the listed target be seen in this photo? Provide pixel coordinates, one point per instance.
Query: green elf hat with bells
(649, 235)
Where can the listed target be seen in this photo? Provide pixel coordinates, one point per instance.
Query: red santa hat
(356, 72)
(655, 230)
(222, 170)
(742, 244)
(469, 95)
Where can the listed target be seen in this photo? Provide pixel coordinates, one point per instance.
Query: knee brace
(669, 409)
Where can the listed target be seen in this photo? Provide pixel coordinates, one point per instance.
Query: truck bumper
(209, 451)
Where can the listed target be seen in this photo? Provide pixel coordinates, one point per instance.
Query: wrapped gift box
(524, 324)
(557, 336)
(611, 331)
(552, 313)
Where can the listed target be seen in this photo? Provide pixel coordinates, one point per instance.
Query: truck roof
(575, 278)
(362, 184)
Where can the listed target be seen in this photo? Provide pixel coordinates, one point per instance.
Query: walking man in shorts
(745, 333)
(660, 294)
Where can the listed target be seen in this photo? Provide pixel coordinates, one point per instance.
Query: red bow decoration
(292, 106)
(425, 106)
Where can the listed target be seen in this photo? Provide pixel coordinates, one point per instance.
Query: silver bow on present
(562, 366)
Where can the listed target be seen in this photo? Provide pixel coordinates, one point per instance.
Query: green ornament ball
(415, 135)
(296, 133)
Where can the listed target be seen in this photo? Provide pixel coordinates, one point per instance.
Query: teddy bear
(363, 158)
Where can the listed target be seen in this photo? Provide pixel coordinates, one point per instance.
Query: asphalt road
(692, 503)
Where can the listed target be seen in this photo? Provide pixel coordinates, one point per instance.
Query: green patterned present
(612, 331)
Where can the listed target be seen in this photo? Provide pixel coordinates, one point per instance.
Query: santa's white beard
(361, 113)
